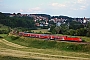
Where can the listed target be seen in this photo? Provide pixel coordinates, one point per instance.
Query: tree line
(25, 22)
(73, 29)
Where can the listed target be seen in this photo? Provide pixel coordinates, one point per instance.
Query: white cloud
(34, 10)
(82, 1)
(81, 4)
(83, 8)
(58, 5)
(21, 10)
(72, 5)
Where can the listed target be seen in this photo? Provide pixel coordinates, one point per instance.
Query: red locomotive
(74, 39)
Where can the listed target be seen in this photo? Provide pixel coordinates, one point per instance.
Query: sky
(71, 8)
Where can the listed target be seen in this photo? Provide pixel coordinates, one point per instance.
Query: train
(50, 37)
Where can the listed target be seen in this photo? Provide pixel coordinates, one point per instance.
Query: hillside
(9, 50)
(4, 29)
(17, 21)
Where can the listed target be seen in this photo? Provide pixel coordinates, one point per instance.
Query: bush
(1, 37)
(4, 31)
(72, 32)
(88, 34)
(83, 41)
(14, 38)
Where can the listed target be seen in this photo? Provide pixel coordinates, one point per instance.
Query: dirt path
(11, 44)
(25, 54)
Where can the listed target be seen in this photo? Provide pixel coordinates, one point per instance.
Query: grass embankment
(3, 35)
(39, 49)
(44, 44)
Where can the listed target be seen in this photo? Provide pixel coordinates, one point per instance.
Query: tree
(57, 29)
(88, 30)
(76, 25)
(81, 32)
(13, 22)
(18, 13)
(72, 32)
(64, 29)
(52, 30)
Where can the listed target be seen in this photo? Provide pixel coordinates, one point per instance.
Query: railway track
(72, 42)
(84, 43)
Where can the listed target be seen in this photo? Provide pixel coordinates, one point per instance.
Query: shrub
(88, 34)
(1, 37)
(14, 38)
(72, 32)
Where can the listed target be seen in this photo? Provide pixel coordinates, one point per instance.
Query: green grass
(3, 27)
(40, 30)
(87, 39)
(44, 48)
(43, 44)
(15, 58)
(3, 35)
(41, 52)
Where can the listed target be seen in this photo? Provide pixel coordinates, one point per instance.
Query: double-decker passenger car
(50, 37)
